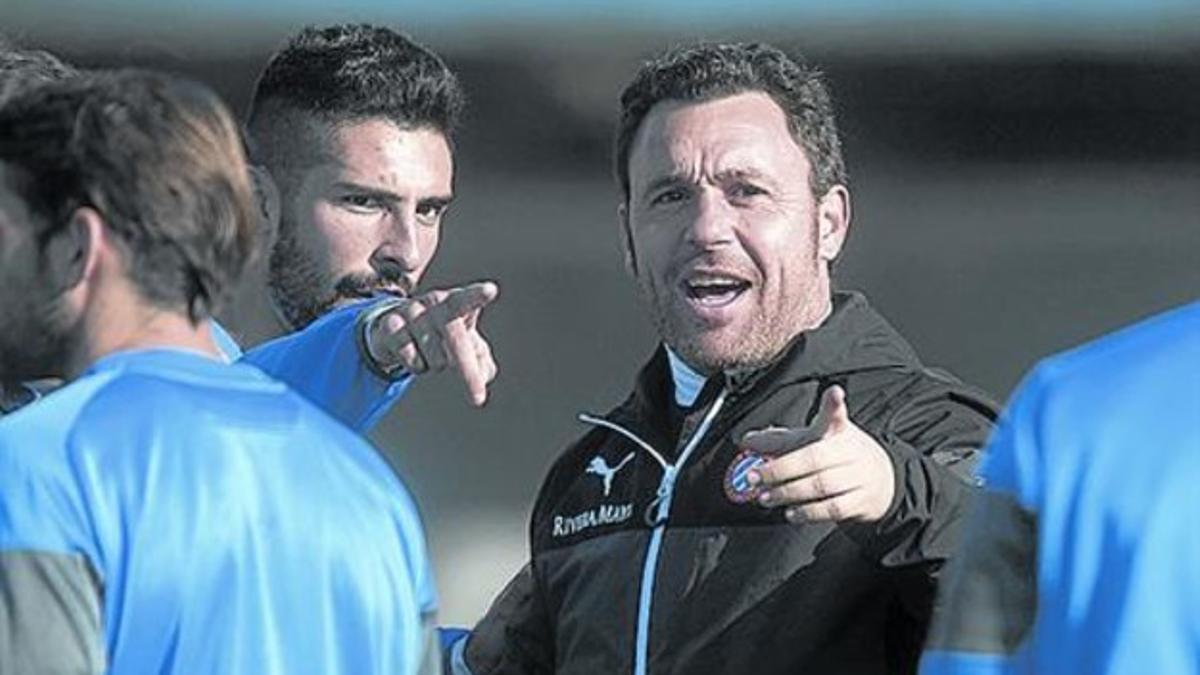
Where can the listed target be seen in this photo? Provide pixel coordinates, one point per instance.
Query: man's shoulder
(595, 438)
(1139, 382)
(165, 396)
(144, 394)
(39, 494)
(218, 401)
(892, 393)
(33, 432)
(1161, 352)
(579, 451)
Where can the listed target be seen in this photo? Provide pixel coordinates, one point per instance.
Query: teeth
(714, 291)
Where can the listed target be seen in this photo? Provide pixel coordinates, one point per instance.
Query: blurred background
(1025, 176)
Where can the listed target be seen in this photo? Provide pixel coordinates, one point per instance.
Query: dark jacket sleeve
(515, 636)
(934, 438)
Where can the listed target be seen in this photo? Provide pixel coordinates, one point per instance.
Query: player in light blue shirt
(1083, 554)
(236, 530)
(351, 127)
(165, 511)
(328, 362)
(360, 356)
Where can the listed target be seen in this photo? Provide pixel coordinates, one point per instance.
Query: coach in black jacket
(780, 490)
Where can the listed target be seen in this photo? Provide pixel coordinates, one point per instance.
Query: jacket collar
(853, 338)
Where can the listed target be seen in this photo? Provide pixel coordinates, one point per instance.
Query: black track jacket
(648, 567)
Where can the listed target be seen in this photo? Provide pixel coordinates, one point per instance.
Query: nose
(712, 221)
(398, 254)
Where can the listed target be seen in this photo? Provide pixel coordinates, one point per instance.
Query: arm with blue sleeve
(51, 591)
(326, 363)
(988, 600)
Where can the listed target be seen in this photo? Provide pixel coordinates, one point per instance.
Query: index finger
(466, 299)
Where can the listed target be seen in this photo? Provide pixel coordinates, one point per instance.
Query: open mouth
(714, 291)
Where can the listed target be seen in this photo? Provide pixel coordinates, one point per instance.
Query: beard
(752, 343)
(753, 340)
(36, 337)
(303, 290)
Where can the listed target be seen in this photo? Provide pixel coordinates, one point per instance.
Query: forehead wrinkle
(712, 168)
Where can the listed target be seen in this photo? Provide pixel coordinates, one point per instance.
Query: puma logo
(601, 468)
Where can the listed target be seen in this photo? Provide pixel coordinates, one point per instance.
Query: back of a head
(161, 160)
(21, 69)
(710, 71)
(349, 73)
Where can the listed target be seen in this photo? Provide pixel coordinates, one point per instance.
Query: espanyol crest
(737, 488)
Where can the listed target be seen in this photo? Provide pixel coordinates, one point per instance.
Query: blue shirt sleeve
(324, 364)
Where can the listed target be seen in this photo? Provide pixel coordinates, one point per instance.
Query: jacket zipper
(661, 508)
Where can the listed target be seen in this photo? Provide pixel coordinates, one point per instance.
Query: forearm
(935, 445)
(926, 520)
(324, 363)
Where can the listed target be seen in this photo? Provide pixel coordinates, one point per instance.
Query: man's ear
(266, 193)
(627, 239)
(72, 253)
(833, 222)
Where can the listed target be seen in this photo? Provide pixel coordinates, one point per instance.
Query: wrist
(368, 323)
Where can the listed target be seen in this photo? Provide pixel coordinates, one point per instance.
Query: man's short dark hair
(710, 71)
(159, 157)
(349, 73)
(21, 69)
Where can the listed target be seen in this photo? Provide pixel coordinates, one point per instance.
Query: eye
(360, 203)
(431, 211)
(745, 190)
(669, 196)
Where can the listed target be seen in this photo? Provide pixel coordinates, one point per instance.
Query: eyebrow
(668, 180)
(388, 195)
(743, 173)
(673, 179)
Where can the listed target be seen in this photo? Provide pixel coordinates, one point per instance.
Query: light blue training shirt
(1083, 552)
(170, 513)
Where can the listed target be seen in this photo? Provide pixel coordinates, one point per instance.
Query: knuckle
(835, 509)
(393, 322)
(784, 493)
(819, 485)
(422, 303)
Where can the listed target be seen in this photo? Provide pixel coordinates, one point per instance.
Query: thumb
(833, 416)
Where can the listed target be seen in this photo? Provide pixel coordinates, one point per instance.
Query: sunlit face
(34, 337)
(366, 217)
(729, 246)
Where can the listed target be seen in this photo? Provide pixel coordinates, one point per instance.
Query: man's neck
(136, 328)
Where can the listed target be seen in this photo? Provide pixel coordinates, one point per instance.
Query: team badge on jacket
(737, 485)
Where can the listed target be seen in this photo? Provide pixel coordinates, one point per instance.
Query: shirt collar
(688, 382)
